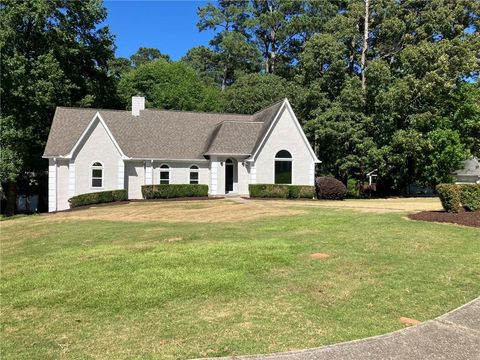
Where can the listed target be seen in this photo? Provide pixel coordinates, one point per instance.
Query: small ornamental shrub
(98, 198)
(449, 195)
(470, 197)
(281, 191)
(352, 189)
(330, 188)
(168, 191)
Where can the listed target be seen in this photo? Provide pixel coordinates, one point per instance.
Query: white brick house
(96, 150)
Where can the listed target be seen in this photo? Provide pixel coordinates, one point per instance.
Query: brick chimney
(138, 103)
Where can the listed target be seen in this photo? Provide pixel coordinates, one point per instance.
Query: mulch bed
(462, 218)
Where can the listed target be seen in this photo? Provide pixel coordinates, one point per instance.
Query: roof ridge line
(197, 112)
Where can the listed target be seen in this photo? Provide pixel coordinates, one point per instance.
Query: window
(283, 167)
(165, 174)
(97, 175)
(194, 174)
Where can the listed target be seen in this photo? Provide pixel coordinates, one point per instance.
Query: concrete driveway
(453, 336)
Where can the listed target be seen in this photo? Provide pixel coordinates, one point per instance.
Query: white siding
(52, 185)
(96, 146)
(121, 175)
(214, 167)
(148, 172)
(134, 178)
(285, 136)
(180, 172)
(63, 184)
(71, 178)
(242, 178)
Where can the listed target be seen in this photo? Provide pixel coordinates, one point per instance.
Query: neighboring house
(470, 173)
(95, 150)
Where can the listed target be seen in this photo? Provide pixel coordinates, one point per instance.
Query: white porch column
(71, 178)
(253, 173)
(311, 174)
(121, 175)
(148, 172)
(52, 185)
(213, 175)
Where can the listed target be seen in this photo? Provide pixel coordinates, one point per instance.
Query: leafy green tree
(225, 15)
(169, 85)
(254, 92)
(445, 154)
(274, 31)
(118, 66)
(411, 59)
(53, 53)
(145, 55)
(232, 52)
(236, 55)
(466, 115)
(205, 62)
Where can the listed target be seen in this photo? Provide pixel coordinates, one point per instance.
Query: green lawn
(155, 289)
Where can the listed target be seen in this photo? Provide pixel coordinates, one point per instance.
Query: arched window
(283, 167)
(97, 175)
(165, 174)
(194, 174)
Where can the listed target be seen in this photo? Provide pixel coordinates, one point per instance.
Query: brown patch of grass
(319, 256)
(174, 239)
(179, 211)
(409, 322)
(370, 205)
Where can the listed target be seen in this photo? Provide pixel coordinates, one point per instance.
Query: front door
(228, 175)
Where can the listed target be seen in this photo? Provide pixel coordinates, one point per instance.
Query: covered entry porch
(230, 175)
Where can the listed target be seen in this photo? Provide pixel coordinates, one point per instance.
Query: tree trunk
(11, 202)
(365, 44)
(273, 38)
(272, 63)
(224, 78)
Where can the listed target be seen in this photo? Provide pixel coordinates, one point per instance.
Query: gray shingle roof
(235, 137)
(164, 134)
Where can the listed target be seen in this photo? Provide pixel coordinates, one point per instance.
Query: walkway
(453, 336)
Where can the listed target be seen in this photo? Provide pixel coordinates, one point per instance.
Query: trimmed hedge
(301, 192)
(98, 198)
(330, 188)
(169, 191)
(470, 196)
(281, 191)
(449, 195)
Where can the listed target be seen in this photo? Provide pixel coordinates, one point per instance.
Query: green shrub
(449, 195)
(281, 191)
(169, 191)
(470, 197)
(98, 198)
(352, 189)
(330, 188)
(268, 191)
(301, 192)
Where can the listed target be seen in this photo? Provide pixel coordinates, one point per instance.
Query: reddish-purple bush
(330, 188)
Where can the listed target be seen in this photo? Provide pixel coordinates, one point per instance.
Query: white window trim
(164, 170)
(92, 167)
(190, 171)
(275, 159)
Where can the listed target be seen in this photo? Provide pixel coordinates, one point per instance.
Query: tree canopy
(169, 85)
(53, 53)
